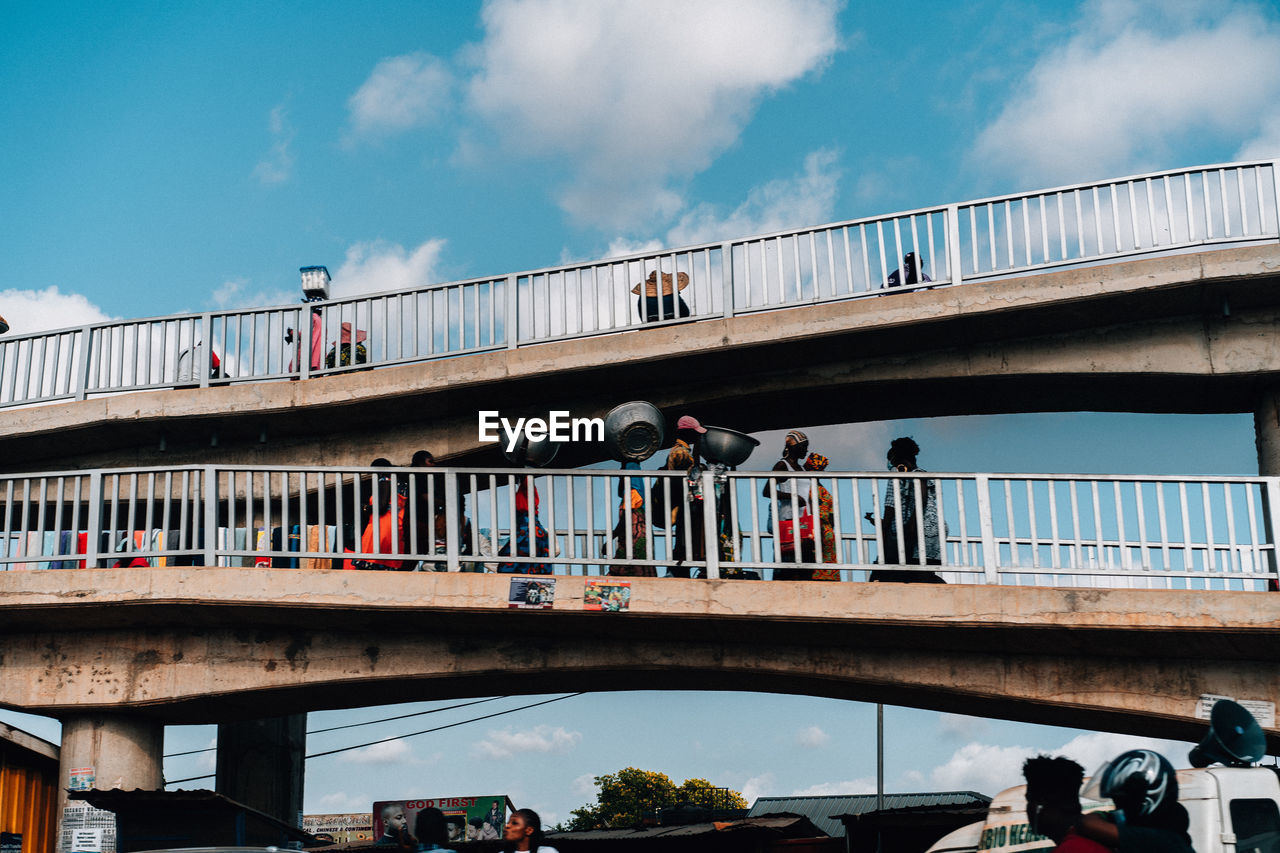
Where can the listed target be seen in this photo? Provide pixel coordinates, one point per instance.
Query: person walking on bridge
(908, 515)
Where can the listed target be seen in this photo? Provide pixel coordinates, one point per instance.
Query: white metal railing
(1025, 529)
(952, 244)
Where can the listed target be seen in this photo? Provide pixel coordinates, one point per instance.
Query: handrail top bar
(521, 473)
(621, 259)
(1241, 164)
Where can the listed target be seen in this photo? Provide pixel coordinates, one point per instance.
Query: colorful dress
(536, 545)
(827, 523)
(639, 539)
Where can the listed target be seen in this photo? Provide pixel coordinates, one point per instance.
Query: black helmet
(1139, 782)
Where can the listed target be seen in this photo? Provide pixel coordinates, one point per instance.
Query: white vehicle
(1232, 810)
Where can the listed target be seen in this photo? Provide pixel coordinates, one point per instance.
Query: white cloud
(779, 205)
(638, 95)
(1138, 78)
(277, 166)
(208, 761)
(503, 744)
(390, 752)
(377, 265)
(960, 726)
(807, 198)
(401, 92)
(812, 737)
(860, 785)
(340, 802)
(584, 785)
(239, 293)
(990, 769)
(1266, 144)
(40, 310)
(758, 786)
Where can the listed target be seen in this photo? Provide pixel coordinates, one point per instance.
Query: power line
(401, 737)
(366, 723)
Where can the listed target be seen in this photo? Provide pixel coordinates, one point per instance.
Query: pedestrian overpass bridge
(1152, 293)
(208, 508)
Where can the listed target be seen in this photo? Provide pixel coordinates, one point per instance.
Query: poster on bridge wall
(341, 828)
(478, 818)
(86, 829)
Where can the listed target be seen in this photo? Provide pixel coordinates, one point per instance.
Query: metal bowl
(634, 431)
(726, 446)
(529, 454)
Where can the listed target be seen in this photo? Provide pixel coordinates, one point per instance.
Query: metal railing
(952, 244)
(1025, 529)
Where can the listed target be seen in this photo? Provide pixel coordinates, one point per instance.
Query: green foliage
(626, 796)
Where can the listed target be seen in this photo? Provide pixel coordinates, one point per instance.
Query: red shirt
(1073, 843)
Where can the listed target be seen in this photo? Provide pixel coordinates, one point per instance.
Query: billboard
(342, 828)
(467, 818)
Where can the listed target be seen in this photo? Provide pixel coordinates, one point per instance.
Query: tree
(626, 796)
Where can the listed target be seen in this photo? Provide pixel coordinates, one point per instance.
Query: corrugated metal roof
(825, 811)
(791, 826)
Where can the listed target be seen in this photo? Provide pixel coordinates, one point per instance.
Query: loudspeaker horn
(1234, 739)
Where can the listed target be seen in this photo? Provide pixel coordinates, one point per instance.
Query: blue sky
(158, 158)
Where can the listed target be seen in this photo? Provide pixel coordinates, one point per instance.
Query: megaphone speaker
(1234, 739)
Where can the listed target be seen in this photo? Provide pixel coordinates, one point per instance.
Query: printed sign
(611, 596)
(341, 828)
(78, 817)
(1264, 712)
(532, 593)
(86, 841)
(81, 779)
(466, 818)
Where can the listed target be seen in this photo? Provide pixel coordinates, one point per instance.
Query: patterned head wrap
(816, 462)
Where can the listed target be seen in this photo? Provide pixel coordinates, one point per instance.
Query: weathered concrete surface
(1186, 333)
(122, 750)
(202, 645)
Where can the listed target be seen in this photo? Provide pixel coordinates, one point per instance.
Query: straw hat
(651, 283)
(361, 334)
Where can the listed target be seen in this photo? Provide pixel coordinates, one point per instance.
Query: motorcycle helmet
(1139, 782)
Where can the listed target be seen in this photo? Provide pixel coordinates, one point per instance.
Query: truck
(1232, 810)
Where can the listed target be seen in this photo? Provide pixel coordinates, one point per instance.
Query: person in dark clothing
(903, 516)
(1053, 803)
(913, 274)
(1148, 816)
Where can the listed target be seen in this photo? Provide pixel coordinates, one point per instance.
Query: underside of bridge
(214, 645)
(1189, 333)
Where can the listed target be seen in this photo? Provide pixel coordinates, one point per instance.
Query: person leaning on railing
(793, 518)
(902, 459)
(386, 524)
(687, 537)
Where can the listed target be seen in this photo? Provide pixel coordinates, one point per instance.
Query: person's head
(909, 262)
(902, 453)
(422, 459)
(1053, 794)
(429, 826)
(816, 462)
(524, 829)
(795, 445)
(393, 819)
(1142, 783)
(688, 428)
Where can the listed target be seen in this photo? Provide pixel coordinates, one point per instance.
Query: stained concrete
(203, 645)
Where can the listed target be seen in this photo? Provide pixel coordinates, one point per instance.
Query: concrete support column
(260, 764)
(1266, 431)
(107, 751)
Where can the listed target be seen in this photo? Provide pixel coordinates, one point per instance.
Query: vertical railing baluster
(990, 555)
